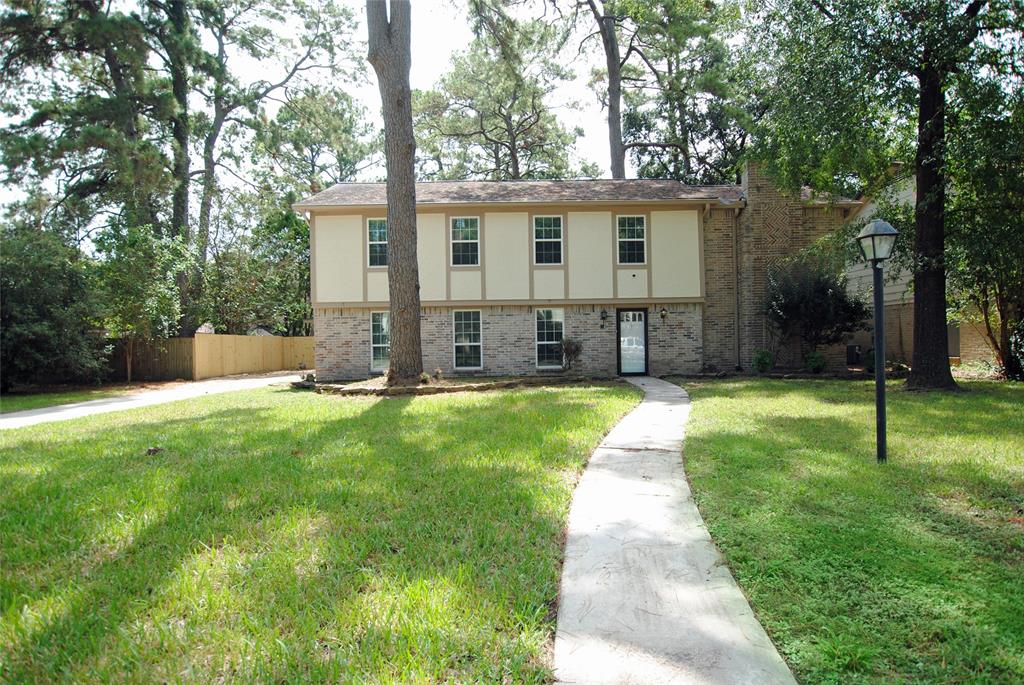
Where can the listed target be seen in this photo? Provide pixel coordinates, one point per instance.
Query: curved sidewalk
(645, 595)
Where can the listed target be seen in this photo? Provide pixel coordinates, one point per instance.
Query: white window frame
(376, 242)
(452, 241)
(538, 343)
(619, 240)
(560, 240)
(374, 345)
(479, 344)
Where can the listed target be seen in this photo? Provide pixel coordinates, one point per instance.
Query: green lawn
(909, 572)
(36, 400)
(283, 536)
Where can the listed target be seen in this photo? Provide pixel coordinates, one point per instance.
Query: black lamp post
(876, 241)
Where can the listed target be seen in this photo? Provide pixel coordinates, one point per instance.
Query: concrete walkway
(144, 398)
(645, 596)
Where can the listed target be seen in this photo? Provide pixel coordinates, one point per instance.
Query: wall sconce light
(604, 315)
(663, 312)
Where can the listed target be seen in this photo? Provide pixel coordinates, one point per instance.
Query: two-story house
(650, 276)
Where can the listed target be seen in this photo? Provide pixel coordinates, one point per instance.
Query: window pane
(380, 340)
(549, 354)
(465, 254)
(467, 339)
(631, 252)
(548, 252)
(465, 229)
(378, 254)
(378, 229)
(467, 356)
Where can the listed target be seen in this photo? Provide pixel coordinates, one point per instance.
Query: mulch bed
(377, 386)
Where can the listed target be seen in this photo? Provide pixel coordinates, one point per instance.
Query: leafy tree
(318, 138)
(262, 278)
(489, 118)
(984, 250)
(390, 30)
(856, 85)
(79, 94)
(808, 299)
(680, 120)
(139, 288)
(47, 308)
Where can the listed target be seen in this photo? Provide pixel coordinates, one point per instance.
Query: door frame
(618, 340)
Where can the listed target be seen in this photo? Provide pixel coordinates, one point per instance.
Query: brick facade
(720, 334)
(508, 337)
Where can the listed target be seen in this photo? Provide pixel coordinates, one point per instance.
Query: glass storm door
(632, 341)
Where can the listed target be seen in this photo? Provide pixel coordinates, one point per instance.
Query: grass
(909, 572)
(52, 398)
(286, 536)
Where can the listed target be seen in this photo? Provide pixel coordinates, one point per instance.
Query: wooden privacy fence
(208, 356)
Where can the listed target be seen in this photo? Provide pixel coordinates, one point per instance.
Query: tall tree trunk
(389, 53)
(610, 41)
(930, 369)
(177, 47)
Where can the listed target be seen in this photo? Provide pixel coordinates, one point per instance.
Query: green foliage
(138, 280)
(262, 279)
(815, 362)
(762, 361)
(809, 300)
(47, 309)
(318, 138)
(491, 118)
(682, 117)
(985, 253)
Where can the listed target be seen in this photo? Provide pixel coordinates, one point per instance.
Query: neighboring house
(650, 276)
(967, 341)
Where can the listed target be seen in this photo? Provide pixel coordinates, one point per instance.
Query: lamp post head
(876, 240)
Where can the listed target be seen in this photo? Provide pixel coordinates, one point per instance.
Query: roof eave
(717, 202)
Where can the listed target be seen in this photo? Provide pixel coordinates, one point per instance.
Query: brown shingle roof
(473, 192)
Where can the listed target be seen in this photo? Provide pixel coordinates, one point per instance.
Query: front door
(632, 342)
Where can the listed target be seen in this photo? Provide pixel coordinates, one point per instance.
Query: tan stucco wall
(590, 246)
(507, 274)
(507, 255)
(675, 263)
(337, 258)
(432, 256)
(549, 284)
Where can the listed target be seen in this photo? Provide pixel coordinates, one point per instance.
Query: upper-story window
(466, 241)
(547, 240)
(377, 233)
(631, 240)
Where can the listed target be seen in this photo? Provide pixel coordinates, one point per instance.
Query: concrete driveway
(144, 398)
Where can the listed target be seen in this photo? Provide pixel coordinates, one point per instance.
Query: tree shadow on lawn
(915, 562)
(307, 531)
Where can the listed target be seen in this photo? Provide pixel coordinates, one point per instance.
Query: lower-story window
(468, 340)
(550, 325)
(380, 341)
